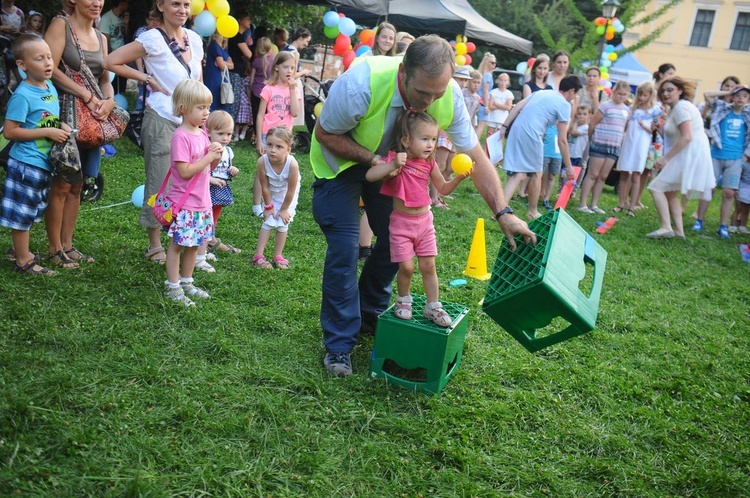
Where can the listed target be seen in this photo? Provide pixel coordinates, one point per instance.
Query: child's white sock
(171, 285)
(185, 280)
(258, 209)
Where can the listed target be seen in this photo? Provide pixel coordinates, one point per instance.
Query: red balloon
(467, 58)
(470, 47)
(341, 45)
(531, 61)
(349, 56)
(341, 14)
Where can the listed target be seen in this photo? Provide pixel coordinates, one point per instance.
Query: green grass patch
(107, 389)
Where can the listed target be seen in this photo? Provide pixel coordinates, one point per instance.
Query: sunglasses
(493, 63)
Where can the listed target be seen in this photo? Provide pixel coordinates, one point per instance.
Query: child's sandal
(631, 213)
(281, 262)
(403, 307)
(261, 262)
(434, 311)
(618, 209)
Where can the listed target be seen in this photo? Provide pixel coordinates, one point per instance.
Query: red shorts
(411, 235)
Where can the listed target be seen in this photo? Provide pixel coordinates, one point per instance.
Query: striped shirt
(611, 129)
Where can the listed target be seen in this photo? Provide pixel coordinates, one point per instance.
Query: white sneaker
(205, 266)
(743, 229)
(585, 209)
(211, 257)
(732, 229)
(597, 210)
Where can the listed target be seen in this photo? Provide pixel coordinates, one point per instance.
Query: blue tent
(628, 68)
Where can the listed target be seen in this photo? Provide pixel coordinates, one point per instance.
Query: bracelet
(91, 97)
(148, 79)
(268, 207)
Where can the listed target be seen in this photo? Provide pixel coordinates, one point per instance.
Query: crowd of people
(380, 155)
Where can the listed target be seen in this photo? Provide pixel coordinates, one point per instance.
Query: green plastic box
(417, 354)
(535, 285)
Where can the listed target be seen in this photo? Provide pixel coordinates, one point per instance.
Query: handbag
(163, 210)
(66, 160)
(91, 132)
(227, 92)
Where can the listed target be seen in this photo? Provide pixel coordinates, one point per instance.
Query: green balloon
(600, 30)
(331, 31)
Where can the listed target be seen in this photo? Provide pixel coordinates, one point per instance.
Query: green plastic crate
(535, 285)
(417, 354)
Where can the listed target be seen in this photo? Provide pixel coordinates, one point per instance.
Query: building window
(702, 28)
(741, 36)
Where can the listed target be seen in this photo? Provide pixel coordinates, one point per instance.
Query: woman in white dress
(686, 166)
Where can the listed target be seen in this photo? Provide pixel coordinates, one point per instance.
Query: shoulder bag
(227, 93)
(163, 210)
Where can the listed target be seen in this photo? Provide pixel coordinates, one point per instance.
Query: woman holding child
(171, 54)
(68, 37)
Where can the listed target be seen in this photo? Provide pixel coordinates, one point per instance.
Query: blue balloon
(331, 18)
(121, 100)
(137, 197)
(362, 50)
(609, 49)
(204, 23)
(347, 26)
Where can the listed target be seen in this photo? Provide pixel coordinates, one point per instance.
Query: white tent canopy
(444, 17)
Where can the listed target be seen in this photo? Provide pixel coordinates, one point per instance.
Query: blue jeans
(91, 159)
(336, 210)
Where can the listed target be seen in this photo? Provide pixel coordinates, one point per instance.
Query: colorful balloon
(461, 164)
(600, 21)
(137, 197)
(341, 45)
(613, 56)
(470, 47)
(367, 36)
(331, 32)
(218, 8)
(600, 30)
(121, 100)
(362, 50)
(197, 6)
(331, 19)
(316, 110)
(460, 60)
(349, 56)
(460, 48)
(347, 26)
(530, 62)
(204, 23)
(609, 48)
(521, 67)
(468, 59)
(227, 26)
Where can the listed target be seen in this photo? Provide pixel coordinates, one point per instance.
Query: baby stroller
(314, 92)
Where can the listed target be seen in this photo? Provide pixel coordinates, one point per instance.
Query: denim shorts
(604, 151)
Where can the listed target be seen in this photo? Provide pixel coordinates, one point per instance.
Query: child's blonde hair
(407, 125)
(647, 87)
(220, 40)
(188, 94)
(219, 120)
(584, 106)
(281, 58)
(261, 51)
(621, 85)
(282, 133)
(475, 75)
(21, 44)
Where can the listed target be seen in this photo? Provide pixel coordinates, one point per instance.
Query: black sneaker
(338, 364)
(364, 252)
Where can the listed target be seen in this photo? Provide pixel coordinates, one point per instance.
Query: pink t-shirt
(278, 106)
(188, 148)
(412, 185)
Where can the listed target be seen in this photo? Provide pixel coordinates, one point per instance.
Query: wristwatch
(504, 211)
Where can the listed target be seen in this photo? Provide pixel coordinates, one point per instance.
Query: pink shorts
(411, 235)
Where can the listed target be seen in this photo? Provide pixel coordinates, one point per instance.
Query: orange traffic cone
(476, 267)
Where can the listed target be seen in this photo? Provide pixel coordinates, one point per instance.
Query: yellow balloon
(227, 26)
(461, 48)
(461, 164)
(613, 56)
(197, 6)
(316, 110)
(218, 8)
(459, 38)
(274, 49)
(460, 60)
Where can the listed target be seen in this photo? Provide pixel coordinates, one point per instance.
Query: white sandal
(403, 307)
(434, 311)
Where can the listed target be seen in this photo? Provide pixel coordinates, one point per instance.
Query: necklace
(174, 46)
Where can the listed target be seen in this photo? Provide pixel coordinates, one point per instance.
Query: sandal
(261, 262)
(32, 268)
(434, 311)
(281, 262)
(631, 213)
(218, 245)
(403, 307)
(77, 255)
(10, 254)
(157, 255)
(62, 260)
(618, 209)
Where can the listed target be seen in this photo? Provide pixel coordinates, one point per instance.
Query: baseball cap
(462, 73)
(737, 89)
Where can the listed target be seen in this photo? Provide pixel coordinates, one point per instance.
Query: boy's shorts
(743, 194)
(551, 165)
(25, 195)
(411, 234)
(576, 161)
(729, 170)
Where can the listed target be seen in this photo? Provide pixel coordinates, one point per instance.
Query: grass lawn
(107, 389)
